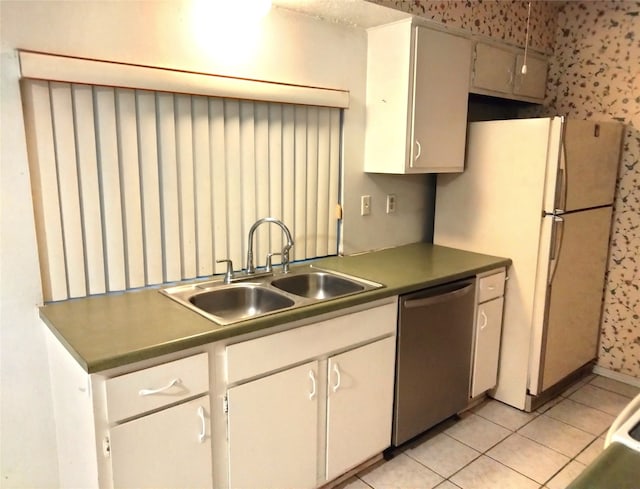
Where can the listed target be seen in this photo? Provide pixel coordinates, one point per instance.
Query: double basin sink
(257, 295)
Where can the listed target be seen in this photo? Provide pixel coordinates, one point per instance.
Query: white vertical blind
(134, 187)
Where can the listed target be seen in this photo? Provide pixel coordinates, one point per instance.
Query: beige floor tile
(590, 453)
(447, 485)
(401, 472)
(557, 435)
(504, 415)
(576, 385)
(485, 473)
(581, 416)
(528, 458)
(443, 454)
(549, 404)
(353, 483)
(601, 399)
(612, 385)
(477, 432)
(566, 475)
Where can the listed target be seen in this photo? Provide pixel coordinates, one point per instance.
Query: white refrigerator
(539, 191)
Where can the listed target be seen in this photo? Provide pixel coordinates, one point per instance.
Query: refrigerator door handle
(556, 244)
(561, 182)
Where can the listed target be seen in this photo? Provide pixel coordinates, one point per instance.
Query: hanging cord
(526, 42)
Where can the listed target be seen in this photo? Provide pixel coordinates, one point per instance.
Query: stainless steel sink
(256, 295)
(317, 285)
(240, 301)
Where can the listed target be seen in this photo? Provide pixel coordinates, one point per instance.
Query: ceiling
(352, 12)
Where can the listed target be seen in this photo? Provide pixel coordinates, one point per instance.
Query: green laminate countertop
(617, 467)
(117, 329)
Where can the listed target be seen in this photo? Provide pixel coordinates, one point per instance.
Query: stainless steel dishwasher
(433, 362)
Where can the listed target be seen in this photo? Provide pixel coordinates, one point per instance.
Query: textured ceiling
(352, 12)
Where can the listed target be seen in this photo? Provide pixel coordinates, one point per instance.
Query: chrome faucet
(285, 250)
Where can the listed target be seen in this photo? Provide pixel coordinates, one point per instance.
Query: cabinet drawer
(155, 387)
(491, 286)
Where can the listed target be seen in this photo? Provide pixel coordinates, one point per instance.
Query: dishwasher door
(433, 363)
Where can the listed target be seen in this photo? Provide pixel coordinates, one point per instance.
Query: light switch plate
(365, 205)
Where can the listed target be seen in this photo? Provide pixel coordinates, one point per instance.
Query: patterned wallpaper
(505, 20)
(595, 74)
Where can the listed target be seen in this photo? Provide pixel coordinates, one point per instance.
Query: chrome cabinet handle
(336, 369)
(419, 150)
(149, 392)
(312, 394)
(203, 426)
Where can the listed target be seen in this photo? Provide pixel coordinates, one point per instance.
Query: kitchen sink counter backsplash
(116, 329)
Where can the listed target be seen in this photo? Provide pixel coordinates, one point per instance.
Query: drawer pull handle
(149, 392)
(203, 426)
(312, 394)
(336, 369)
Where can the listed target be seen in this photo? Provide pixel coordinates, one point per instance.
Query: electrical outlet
(365, 205)
(391, 203)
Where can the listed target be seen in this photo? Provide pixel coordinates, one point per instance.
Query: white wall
(291, 48)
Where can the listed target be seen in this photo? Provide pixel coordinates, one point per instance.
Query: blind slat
(150, 185)
(186, 202)
(324, 197)
(300, 183)
(130, 180)
(261, 161)
(288, 172)
(236, 231)
(111, 194)
(219, 199)
(275, 168)
(62, 112)
(89, 188)
(312, 182)
(46, 203)
(202, 175)
(168, 187)
(334, 178)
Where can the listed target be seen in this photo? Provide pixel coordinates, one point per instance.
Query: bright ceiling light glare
(228, 30)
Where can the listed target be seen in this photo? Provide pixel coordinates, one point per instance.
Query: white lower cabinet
(309, 404)
(488, 329)
(359, 405)
(273, 424)
(303, 405)
(167, 449)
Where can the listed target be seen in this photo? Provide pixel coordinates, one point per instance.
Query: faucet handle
(228, 276)
(269, 267)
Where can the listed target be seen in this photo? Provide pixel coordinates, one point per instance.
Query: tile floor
(495, 446)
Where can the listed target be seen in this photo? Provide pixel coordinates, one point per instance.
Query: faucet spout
(285, 250)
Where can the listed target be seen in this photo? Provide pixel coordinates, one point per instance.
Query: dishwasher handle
(437, 298)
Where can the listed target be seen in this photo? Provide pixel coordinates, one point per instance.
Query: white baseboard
(627, 379)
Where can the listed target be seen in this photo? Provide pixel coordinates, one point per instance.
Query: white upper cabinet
(497, 71)
(417, 92)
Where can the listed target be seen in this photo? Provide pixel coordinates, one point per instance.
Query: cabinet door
(534, 83)
(493, 68)
(359, 405)
(441, 89)
(273, 430)
(167, 449)
(487, 346)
